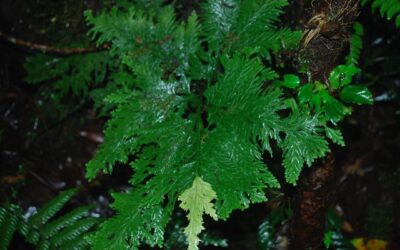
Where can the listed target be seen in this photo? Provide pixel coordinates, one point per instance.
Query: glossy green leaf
(305, 93)
(291, 81)
(342, 75)
(334, 109)
(393, 10)
(358, 28)
(291, 103)
(357, 94)
(319, 98)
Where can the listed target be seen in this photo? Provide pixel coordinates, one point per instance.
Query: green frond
(335, 135)
(238, 86)
(52, 228)
(68, 75)
(237, 108)
(45, 233)
(31, 233)
(247, 25)
(139, 37)
(9, 223)
(120, 27)
(72, 232)
(166, 23)
(257, 27)
(218, 19)
(117, 147)
(124, 132)
(184, 153)
(302, 144)
(228, 154)
(44, 245)
(356, 44)
(258, 15)
(78, 243)
(137, 221)
(192, 34)
(141, 217)
(51, 208)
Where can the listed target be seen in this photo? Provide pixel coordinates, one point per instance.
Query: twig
(50, 49)
(42, 180)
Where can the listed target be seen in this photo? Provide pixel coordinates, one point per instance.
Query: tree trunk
(310, 205)
(327, 32)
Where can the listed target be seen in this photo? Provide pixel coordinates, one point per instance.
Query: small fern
(68, 75)
(387, 8)
(195, 105)
(69, 231)
(159, 119)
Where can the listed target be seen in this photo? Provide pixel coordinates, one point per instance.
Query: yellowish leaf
(197, 201)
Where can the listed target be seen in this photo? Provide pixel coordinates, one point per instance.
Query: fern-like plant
(195, 105)
(69, 231)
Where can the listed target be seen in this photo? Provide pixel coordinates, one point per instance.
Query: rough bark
(311, 202)
(327, 30)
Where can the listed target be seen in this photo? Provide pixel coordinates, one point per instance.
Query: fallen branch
(50, 49)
